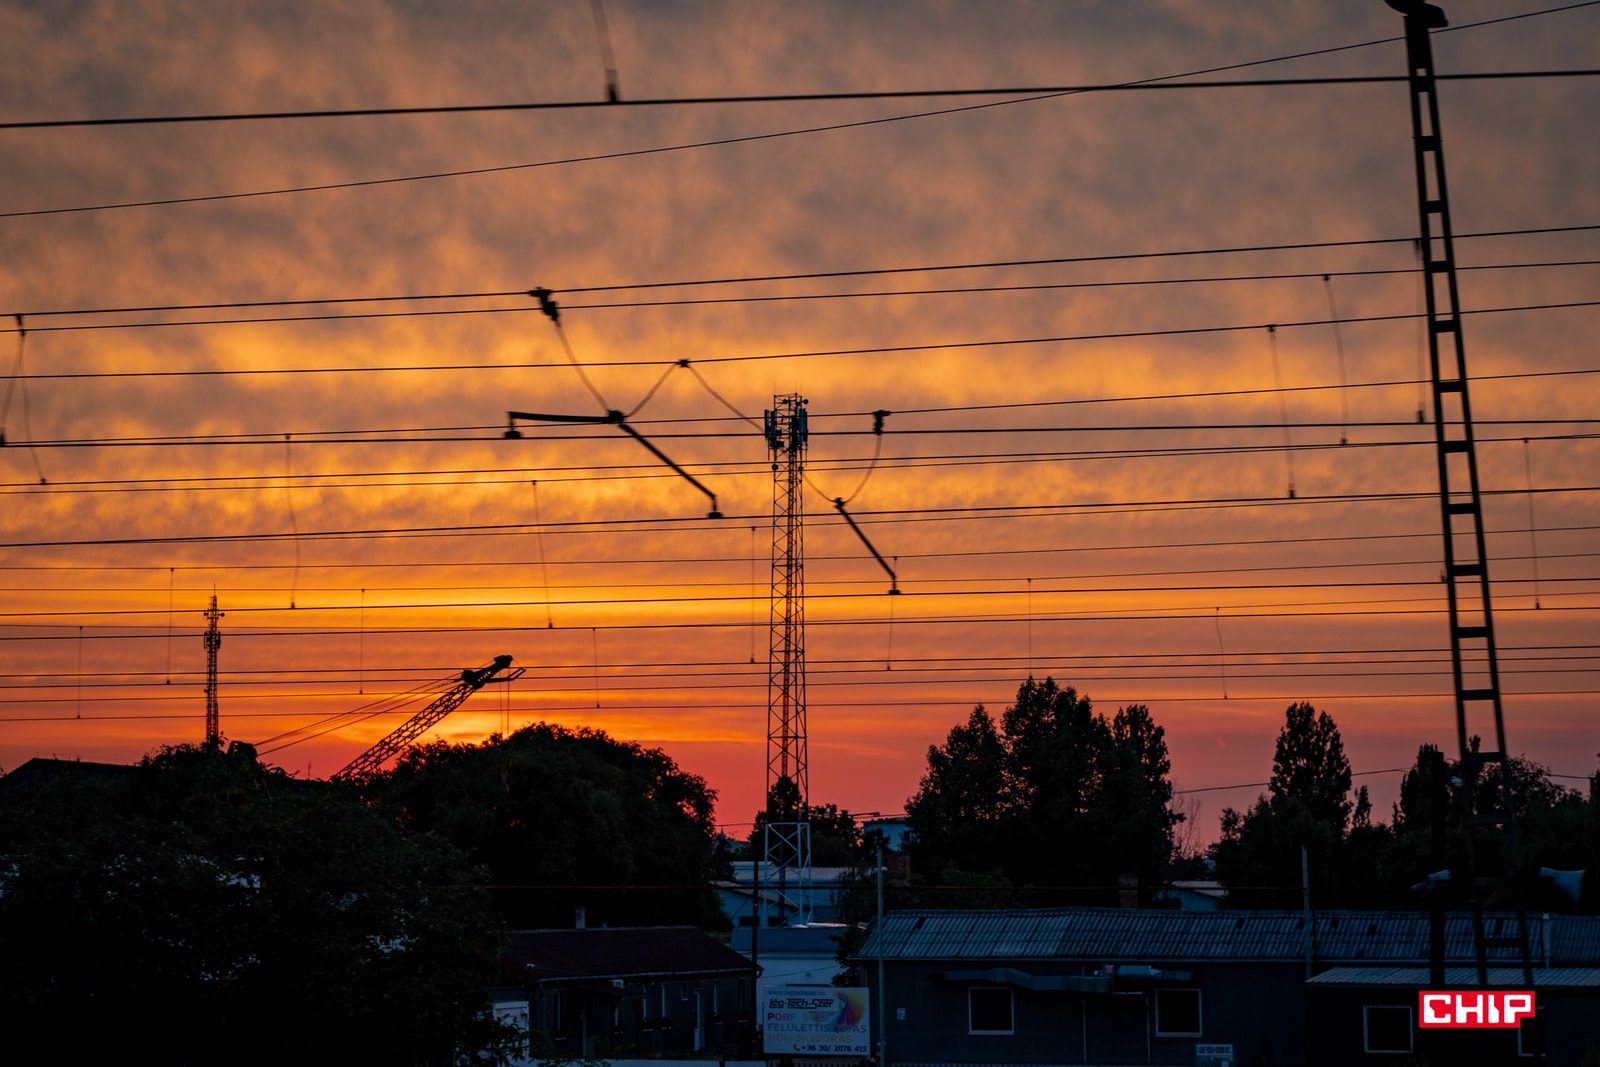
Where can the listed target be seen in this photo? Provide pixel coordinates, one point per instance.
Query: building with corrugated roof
(1123, 986)
(626, 991)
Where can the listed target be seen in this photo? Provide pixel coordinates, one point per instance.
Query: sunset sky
(273, 359)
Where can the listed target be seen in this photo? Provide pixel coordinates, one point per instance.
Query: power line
(1298, 610)
(1263, 698)
(729, 469)
(923, 582)
(258, 320)
(779, 98)
(702, 598)
(701, 283)
(770, 135)
(456, 368)
(637, 525)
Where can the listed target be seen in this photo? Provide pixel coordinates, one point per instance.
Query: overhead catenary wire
(1338, 347)
(544, 569)
(931, 583)
(1533, 536)
(294, 522)
(434, 433)
(1043, 550)
(668, 371)
(1283, 408)
(18, 376)
(896, 515)
(1182, 657)
(867, 350)
(607, 58)
(1037, 91)
(929, 268)
(367, 183)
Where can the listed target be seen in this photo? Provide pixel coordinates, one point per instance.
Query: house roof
(1460, 977)
(1142, 935)
(40, 772)
(620, 952)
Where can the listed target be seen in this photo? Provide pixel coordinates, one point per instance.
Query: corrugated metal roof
(1460, 977)
(1132, 934)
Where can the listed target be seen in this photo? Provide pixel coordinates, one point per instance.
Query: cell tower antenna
(786, 847)
(213, 640)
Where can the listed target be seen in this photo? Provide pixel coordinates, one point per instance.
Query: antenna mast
(787, 840)
(213, 640)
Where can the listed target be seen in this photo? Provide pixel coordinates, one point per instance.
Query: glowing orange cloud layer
(1087, 467)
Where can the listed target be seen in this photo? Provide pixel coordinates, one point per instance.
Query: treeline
(1058, 804)
(207, 908)
(1052, 803)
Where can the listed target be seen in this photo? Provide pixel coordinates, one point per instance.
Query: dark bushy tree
(560, 817)
(1310, 766)
(1056, 797)
(1557, 828)
(203, 908)
(1307, 805)
(956, 816)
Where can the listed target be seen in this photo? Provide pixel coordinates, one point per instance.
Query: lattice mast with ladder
(1474, 659)
(213, 642)
(786, 841)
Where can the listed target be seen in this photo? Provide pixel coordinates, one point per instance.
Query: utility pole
(213, 641)
(787, 839)
(883, 994)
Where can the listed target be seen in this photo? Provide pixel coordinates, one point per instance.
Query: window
(1387, 1028)
(1178, 1012)
(558, 1011)
(1530, 1037)
(989, 1010)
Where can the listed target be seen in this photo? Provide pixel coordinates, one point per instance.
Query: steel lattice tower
(787, 841)
(1466, 561)
(213, 639)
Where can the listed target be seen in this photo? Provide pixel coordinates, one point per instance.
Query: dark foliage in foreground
(563, 818)
(202, 908)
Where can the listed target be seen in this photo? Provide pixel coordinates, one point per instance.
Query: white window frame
(1011, 1003)
(1199, 1013)
(1366, 1030)
(1522, 1049)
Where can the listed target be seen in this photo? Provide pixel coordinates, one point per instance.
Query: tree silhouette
(1309, 765)
(1307, 804)
(563, 818)
(204, 908)
(1056, 797)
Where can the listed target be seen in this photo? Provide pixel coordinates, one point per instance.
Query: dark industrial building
(627, 992)
(1124, 986)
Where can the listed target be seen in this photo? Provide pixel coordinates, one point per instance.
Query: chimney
(1127, 890)
(580, 917)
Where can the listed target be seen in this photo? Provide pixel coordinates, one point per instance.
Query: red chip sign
(1474, 1009)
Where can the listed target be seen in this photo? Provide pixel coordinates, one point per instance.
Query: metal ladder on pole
(1474, 659)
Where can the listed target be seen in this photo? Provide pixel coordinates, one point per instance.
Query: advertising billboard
(814, 1021)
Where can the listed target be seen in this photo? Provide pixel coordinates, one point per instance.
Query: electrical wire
(1032, 91)
(704, 283)
(612, 91)
(977, 343)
